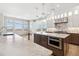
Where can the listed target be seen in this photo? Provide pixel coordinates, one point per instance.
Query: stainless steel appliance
(55, 42)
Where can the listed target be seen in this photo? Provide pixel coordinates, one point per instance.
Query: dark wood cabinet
(37, 38)
(73, 39)
(43, 41)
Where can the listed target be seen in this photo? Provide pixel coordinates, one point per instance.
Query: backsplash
(61, 27)
(69, 29)
(73, 29)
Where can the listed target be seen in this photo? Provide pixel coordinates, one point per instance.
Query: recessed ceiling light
(52, 9)
(57, 5)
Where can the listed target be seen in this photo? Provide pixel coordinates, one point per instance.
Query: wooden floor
(21, 46)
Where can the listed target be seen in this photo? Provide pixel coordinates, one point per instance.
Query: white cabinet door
(73, 21)
(70, 21)
(76, 20)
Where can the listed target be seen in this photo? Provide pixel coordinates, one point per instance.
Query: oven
(55, 42)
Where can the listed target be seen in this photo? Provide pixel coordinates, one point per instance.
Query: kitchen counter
(66, 38)
(53, 41)
(59, 35)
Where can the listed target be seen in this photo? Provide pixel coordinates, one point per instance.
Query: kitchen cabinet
(61, 20)
(61, 24)
(42, 40)
(73, 39)
(37, 38)
(73, 21)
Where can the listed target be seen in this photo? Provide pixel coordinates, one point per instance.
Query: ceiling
(28, 10)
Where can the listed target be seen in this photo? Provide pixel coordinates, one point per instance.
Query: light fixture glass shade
(57, 5)
(62, 15)
(65, 14)
(47, 19)
(58, 16)
(44, 20)
(76, 12)
(52, 17)
(44, 13)
(70, 13)
(55, 17)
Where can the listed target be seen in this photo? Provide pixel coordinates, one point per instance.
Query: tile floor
(20, 46)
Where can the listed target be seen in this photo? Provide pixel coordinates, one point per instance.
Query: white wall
(73, 21)
(1, 20)
(2, 28)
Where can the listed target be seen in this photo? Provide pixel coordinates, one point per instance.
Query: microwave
(55, 42)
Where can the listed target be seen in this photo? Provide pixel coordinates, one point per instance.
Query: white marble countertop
(59, 35)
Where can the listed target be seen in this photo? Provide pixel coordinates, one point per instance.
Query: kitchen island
(53, 41)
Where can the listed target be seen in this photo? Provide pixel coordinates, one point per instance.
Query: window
(25, 25)
(18, 24)
(38, 25)
(9, 23)
(14, 23)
